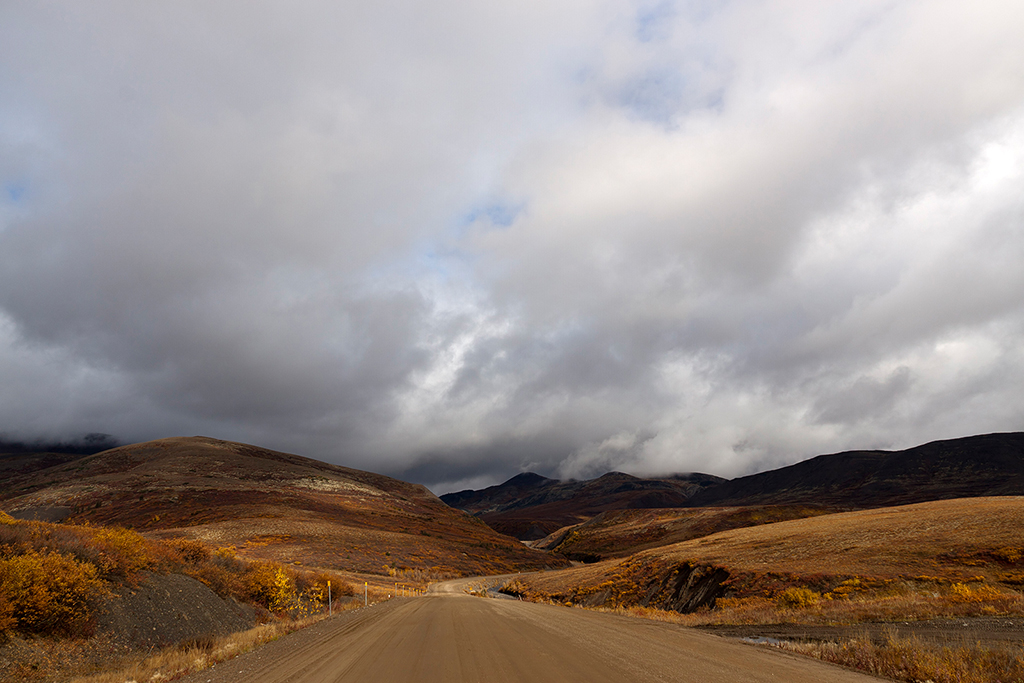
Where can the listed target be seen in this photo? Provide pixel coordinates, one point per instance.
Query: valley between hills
(834, 557)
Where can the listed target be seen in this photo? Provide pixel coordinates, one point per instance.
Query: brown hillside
(940, 541)
(529, 506)
(269, 505)
(618, 533)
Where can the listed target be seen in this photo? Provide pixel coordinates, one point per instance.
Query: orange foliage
(49, 592)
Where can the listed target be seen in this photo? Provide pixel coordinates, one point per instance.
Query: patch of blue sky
(653, 22)
(656, 96)
(429, 263)
(662, 94)
(498, 214)
(16, 191)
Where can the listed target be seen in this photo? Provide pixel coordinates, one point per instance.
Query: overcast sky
(452, 241)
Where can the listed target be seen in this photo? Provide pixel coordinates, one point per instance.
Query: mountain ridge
(965, 467)
(530, 506)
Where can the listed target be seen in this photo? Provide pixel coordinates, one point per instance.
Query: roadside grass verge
(911, 659)
(175, 662)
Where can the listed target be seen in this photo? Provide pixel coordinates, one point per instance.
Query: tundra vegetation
(54, 578)
(940, 560)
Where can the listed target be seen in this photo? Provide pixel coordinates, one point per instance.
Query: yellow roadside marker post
(330, 603)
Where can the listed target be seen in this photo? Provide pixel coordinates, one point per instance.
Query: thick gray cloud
(451, 241)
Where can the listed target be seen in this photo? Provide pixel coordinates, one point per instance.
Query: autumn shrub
(798, 597)
(7, 620)
(260, 583)
(342, 589)
(283, 595)
(1009, 555)
(221, 580)
(962, 592)
(113, 550)
(50, 593)
(122, 552)
(189, 552)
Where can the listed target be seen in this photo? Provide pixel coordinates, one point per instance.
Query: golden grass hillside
(618, 533)
(271, 506)
(955, 551)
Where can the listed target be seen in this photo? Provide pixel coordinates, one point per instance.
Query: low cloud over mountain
(456, 244)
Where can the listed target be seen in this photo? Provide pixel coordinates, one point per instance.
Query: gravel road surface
(450, 637)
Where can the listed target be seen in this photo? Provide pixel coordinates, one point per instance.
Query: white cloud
(459, 240)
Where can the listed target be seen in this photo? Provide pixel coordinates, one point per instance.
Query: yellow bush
(1009, 555)
(283, 596)
(50, 593)
(6, 518)
(121, 551)
(7, 620)
(189, 551)
(261, 583)
(965, 593)
(798, 597)
(227, 553)
(742, 604)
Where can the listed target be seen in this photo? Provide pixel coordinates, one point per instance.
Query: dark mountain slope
(985, 465)
(529, 506)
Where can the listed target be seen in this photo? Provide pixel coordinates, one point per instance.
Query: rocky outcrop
(687, 588)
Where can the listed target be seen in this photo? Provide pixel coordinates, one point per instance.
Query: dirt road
(450, 637)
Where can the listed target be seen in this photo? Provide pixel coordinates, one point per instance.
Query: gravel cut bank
(165, 610)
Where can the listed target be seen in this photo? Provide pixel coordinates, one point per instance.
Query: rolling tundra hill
(618, 533)
(529, 506)
(985, 465)
(266, 504)
(976, 541)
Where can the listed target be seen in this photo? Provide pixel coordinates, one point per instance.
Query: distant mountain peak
(530, 506)
(526, 479)
(971, 466)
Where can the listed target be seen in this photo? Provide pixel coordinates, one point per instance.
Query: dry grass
(869, 608)
(910, 659)
(272, 506)
(174, 662)
(620, 533)
(951, 540)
